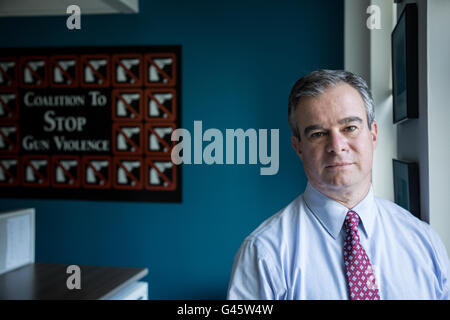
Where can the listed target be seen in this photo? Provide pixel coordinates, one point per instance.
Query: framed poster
(405, 65)
(406, 186)
(90, 123)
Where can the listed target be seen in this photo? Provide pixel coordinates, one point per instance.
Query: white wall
(423, 140)
(356, 38)
(381, 86)
(439, 116)
(368, 53)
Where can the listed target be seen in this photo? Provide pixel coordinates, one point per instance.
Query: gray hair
(314, 84)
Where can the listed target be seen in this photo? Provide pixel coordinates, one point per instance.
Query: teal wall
(239, 62)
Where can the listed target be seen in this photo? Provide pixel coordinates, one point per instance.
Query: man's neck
(349, 197)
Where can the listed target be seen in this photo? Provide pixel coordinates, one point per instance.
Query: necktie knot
(351, 221)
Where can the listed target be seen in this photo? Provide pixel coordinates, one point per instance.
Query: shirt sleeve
(254, 276)
(443, 265)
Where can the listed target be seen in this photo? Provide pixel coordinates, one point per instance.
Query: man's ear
(297, 145)
(374, 134)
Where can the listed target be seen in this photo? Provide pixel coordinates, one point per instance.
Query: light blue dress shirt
(298, 252)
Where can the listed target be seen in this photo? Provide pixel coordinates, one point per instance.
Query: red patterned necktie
(360, 277)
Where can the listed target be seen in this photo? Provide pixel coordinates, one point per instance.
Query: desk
(42, 281)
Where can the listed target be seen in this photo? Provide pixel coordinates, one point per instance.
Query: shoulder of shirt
(406, 219)
(271, 231)
(398, 213)
(417, 229)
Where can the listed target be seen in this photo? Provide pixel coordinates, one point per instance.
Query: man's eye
(350, 128)
(317, 134)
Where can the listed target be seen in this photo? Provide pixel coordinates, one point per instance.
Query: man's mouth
(338, 165)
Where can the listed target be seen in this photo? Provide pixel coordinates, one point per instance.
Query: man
(337, 240)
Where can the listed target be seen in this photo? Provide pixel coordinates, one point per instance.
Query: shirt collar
(331, 213)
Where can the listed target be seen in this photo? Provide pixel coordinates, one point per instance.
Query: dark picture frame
(405, 80)
(406, 186)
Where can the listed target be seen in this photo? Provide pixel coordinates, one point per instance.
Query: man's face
(336, 145)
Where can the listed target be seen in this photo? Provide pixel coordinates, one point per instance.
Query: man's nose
(337, 143)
